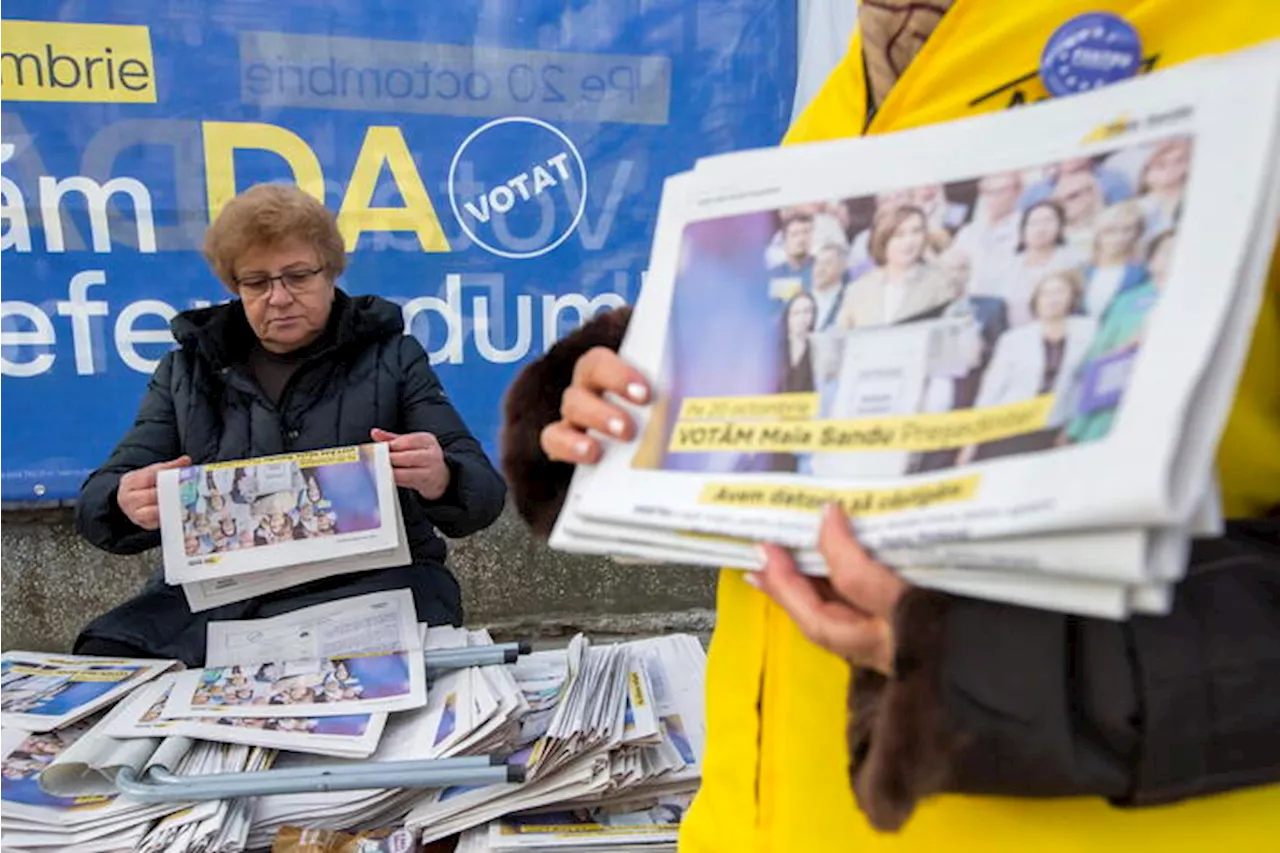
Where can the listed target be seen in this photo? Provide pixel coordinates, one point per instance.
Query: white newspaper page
(1080, 596)
(353, 656)
(1115, 555)
(247, 516)
(215, 592)
(590, 827)
(1064, 415)
(41, 692)
(27, 755)
(339, 685)
(351, 736)
(376, 622)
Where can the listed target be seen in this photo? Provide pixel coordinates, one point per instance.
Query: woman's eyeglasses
(294, 281)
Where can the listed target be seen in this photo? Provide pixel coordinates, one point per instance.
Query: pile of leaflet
(1010, 365)
(600, 731)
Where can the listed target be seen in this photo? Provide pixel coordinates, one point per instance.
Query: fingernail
(616, 426)
(751, 579)
(637, 392)
(832, 511)
(583, 449)
(762, 556)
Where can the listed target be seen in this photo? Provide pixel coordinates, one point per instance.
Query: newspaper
(41, 692)
(89, 765)
(707, 476)
(610, 735)
(590, 827)
(409, 735)
(1131, 555)
(293, 839)
(353, 656)
(938, 433)
(350, 736)
(1078, 596)
(241, 518)
(215, 592)
(212, 825)
(605, 725)
(26, 756)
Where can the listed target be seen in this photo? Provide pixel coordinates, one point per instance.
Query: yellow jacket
(776, 769)
(775, 776)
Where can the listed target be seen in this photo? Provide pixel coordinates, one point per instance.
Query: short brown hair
(267, 215)
(886, 222)
(1074, 280)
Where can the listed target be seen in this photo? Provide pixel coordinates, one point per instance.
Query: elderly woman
(293, 364)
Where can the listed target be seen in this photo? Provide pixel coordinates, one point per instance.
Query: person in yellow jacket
(963, 722)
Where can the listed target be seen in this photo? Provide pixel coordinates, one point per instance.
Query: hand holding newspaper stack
(1025, 410)
(239, 529)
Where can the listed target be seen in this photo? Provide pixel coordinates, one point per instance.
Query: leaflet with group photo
(350, 736)
(41, 692)
(353, 656)
(829, 337)
(334, 508)
(1107, 573)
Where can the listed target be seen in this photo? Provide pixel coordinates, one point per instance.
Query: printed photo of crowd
(1056, 268)
(352, 725)
(234, 508)
(315, 682)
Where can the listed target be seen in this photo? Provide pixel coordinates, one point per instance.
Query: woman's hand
(583, 407)
(137, 496)
(417, 461)
(850, 612)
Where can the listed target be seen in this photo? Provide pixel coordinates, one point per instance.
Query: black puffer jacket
(203, 401)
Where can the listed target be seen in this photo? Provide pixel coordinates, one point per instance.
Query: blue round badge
(1090, 51)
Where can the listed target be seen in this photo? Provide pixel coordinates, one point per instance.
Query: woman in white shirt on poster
(1038, 358)
(1042, 249)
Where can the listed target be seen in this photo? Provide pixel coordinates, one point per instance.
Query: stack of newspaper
(599, 730)
(47, 702)
(320, 680)
(592, 726)
(611, 731)
(36, 818)
(1006, 345)
(239, 529)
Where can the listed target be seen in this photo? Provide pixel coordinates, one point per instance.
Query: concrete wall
(54, 582)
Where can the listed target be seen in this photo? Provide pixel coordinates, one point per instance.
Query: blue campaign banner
(495, 166)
